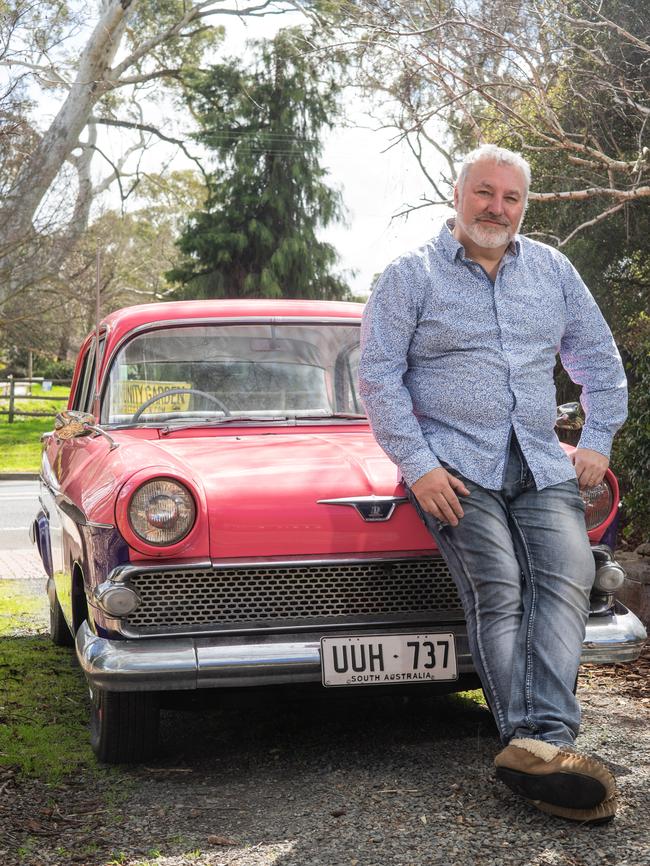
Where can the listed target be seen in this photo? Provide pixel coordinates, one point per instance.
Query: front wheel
(123, 726)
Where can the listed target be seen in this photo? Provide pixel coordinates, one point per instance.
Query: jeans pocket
(414, 502)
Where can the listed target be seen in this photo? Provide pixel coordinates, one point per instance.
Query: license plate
(373, 660)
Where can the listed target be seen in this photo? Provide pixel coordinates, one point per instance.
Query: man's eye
(483, 192)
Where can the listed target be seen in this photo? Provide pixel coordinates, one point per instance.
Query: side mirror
(70, 424)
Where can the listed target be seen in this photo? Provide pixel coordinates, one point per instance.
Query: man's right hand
(436, 492)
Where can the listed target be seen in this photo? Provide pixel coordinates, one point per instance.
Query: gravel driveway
(330, 778)
(333, 779)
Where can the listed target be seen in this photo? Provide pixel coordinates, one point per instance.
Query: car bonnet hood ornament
(372, 509)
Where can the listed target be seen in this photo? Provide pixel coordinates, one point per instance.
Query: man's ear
(456, 196)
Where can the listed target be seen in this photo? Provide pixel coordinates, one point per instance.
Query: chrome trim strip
(77, 515)
(271, 561)
(50, 589)
(417, 622)
(121, 573)
(351, 500)
(42, 504)
(68, 507)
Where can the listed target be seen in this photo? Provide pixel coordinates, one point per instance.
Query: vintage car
(215, 513)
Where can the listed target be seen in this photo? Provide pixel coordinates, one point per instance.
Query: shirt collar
(453, 249)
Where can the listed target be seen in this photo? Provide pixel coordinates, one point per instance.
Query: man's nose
(496, 204)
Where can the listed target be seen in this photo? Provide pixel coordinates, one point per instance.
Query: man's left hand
(590, 467)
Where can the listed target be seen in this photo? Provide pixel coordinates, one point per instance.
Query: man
(459, 341)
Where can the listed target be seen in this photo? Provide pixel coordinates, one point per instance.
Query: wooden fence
(15, 390)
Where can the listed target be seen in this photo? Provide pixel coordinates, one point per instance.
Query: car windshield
(269, 371)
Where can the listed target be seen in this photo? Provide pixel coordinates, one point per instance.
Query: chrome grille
(270, 595)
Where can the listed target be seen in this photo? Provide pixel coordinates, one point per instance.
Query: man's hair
(501, 156)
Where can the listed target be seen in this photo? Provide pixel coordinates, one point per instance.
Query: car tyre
(60, 633)
(124, 726)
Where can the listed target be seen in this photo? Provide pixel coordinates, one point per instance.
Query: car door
(57, 464)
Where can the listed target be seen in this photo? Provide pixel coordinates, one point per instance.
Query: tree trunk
(57, 144)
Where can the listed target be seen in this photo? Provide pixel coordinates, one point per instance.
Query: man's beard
(487, 237)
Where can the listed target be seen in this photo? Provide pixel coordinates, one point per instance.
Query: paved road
(18, 506)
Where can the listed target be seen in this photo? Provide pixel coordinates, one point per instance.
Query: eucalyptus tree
(69, 69)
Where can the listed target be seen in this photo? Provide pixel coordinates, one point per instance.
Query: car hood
(264, 493)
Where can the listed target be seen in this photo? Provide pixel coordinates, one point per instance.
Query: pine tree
(267, 199)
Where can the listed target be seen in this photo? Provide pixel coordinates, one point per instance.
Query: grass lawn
(43, 695)
(20, 442)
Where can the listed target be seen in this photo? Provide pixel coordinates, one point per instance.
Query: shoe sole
(568, 790)
(603, 813)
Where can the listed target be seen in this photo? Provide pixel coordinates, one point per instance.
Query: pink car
(216, 513)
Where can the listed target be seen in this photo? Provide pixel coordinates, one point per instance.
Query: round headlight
(162, 511)
(599, 501)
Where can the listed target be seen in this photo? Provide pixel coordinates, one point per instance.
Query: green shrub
(631, 458)
(51, 369)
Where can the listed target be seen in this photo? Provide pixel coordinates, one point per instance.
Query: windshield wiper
(262, 419)
(217, 422)
(352, 416)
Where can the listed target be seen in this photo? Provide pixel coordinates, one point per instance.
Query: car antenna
(97, 302)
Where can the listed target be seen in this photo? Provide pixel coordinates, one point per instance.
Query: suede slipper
(558, 781)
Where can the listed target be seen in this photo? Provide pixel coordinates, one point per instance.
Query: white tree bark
(62, 137)
(27, 253)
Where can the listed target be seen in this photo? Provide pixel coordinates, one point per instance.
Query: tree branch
(592, 222)
(146, 127)
(624, 195)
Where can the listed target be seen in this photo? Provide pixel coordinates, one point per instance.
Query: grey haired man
(459, 342)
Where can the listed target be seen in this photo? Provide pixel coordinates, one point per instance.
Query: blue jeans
(523, 566)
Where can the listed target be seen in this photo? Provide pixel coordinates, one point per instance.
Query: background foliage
(267, 197)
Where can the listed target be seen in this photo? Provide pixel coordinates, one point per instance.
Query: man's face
(490, 208)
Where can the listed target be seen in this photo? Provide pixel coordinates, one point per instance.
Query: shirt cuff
(597, 440)
(418, 465)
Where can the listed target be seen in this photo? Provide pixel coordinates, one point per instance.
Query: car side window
(84, 394)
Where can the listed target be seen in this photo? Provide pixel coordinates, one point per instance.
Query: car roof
(128, 318)
(118, 324)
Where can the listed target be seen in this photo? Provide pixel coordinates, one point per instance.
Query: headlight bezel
(182, 490)
(195, 542)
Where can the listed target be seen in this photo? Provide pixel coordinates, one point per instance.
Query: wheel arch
(41, 537)
(79, 601)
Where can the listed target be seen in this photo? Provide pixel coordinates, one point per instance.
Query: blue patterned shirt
(451, 362)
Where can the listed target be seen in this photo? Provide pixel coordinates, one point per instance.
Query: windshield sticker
(133, 393)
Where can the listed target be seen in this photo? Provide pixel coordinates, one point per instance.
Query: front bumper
(618, 636)
(165, 664)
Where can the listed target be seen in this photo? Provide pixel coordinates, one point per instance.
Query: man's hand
(436, 492)
(590, 467)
